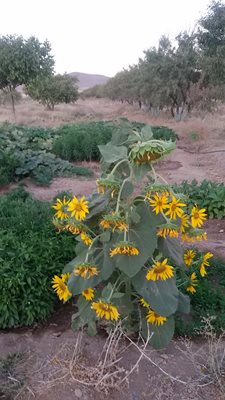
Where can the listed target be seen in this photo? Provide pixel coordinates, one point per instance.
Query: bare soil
(199, 155)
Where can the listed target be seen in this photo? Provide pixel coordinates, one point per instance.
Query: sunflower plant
(130, 264)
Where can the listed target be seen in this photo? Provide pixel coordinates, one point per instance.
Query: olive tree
(22, 60)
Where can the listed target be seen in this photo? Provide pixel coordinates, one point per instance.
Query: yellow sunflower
(88, 294)
(107, 184)
(60, 286)
(115, 222)
(184, 222)
(189, 256)
(158, 203)
(205, 263)
(105, 310)
(78, 208)
(155, 319)
(160, 270)
(197, 217)
(144, 303)
(124, 248)
(170, 230)
(61, 208)
(85, 270)
(86, 238)
(174, 209)
(193, 236)
(192, 283)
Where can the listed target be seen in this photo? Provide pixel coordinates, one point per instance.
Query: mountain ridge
(86, 81)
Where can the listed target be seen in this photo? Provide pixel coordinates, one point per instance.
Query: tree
(22, 61)
(54, 89)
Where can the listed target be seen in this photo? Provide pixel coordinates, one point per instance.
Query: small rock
(78, 393)
(221, 230)
(57, 334)
(164, 356)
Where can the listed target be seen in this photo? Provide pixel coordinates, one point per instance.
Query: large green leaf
(161, 295)
(183, 303)
(171, 248)
(146, 133)
(105, 263)
(112, 154)
(161, 335)
(143, 234)
(77, 284)
(127, 190)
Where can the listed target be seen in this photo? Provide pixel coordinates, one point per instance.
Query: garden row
(46, 153)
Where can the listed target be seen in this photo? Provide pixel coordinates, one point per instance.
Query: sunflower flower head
(75, 228)
(86, 238)
(184, 222)
(124, 248)
(159, 188)
(194, 235)
(193, 282)
(205, 263)
(197, 217)
(115, 222)
(104, 184)
(85, 270)
(78, 208)
(105, 310)
(59, 284)
(155, 319)
(61, 207)
(88, 294)
(144, 303)
(150, 151)
(160, 271)
(174, 208)
(189, 256)
(158, 202)
(168, 229)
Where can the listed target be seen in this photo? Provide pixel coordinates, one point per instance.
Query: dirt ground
(49, 349)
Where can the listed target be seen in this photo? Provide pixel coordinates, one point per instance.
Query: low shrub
(31, 252)
(208, 195)
(208, 301)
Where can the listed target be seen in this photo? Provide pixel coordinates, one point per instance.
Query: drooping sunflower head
(157, 187)
(59, 284)
(205, 263)
(168, 229)
(158, 202)
(160, 270)
(104, 184)
(194, 235)
(88, 294)
(61, 207)
(150, 151)
(124, 248)
(193, 282)
(184, 222)
(85, 270)
(105, 310)
(174, 208)
(144, 303)
(189, 256)
(114, 221)
(78, 208)
(155, 319)
(76, 228)
(86, 238)
(198, 216)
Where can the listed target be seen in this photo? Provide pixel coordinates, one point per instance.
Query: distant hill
(87, 81)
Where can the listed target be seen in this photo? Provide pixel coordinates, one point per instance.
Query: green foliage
(80, 142)
(209, 300)
(208, 195)
(31, 252)
(23, 60)
(54, 89)
(27, 152)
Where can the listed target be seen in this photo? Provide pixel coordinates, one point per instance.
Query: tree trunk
(13, 101)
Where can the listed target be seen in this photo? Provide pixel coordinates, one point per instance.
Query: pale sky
(99, 36)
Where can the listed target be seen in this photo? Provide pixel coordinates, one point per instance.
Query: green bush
(31, 252)
(208, 195)
(209, 300)
(80, 142)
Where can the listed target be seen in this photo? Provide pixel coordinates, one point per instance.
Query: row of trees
(177, 76)
(30, 63)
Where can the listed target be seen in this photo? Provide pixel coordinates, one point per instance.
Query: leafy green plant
(30, 253)
(208, 195)
(125, 239)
